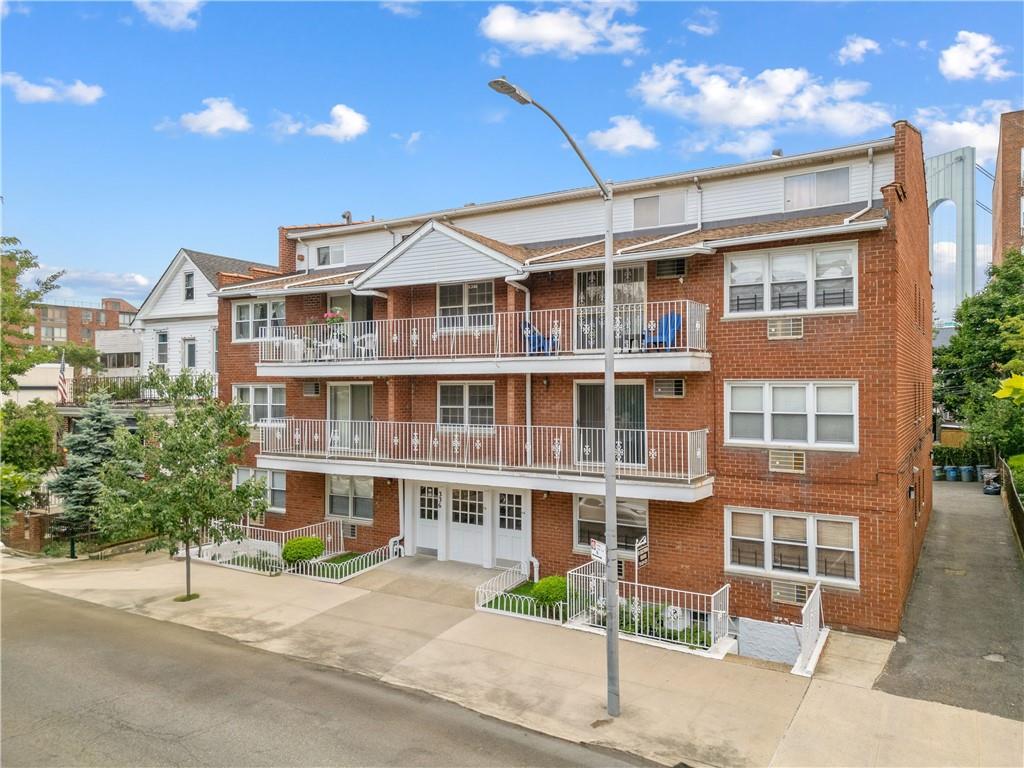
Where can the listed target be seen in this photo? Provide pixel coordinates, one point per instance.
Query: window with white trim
(589, 514)
(659, 210)
(465, 305)
(330, 255)
(161, 348)
(255, 319)
(792, 414)
(261, 401)
(350, 497)
(54, 333)
(465, 404)
(124, 319)
(274, 483)
(189, 353)
(788, 544)
(788, 280)
(190, 286)
(813, 190)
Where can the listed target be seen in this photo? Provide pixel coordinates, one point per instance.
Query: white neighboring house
(120, 352)
(178, 320)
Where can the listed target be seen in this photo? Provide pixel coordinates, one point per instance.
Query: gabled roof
(295, 282)
(210, 264)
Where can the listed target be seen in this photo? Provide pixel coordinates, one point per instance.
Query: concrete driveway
(964, 623)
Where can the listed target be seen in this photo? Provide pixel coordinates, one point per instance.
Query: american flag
(62, 382)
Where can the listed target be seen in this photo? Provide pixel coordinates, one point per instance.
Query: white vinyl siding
(435, 254)
(792, 545)
(201, 330)
(795, 280)
(792, 414)
(171, 302)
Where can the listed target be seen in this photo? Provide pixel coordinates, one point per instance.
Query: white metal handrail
(493, 596)
(673, 616)
(321, 570)
(651, 453)
(660, 326)
(811, 624)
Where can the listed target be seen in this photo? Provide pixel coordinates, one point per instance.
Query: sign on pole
(643, 552)
(598, 551)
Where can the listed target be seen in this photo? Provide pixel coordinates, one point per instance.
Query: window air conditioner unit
(789, 592)
(349, 530)
(785, 328)
(669, 388)
(787, 461)
(670, 268)
(311, 389)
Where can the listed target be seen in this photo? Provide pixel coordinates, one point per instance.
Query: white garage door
(467, 507)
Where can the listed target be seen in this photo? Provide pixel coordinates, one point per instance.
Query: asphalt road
(88, 685)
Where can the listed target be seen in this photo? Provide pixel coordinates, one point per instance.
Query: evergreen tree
(89, 447)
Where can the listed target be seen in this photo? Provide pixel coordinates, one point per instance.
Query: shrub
(302, 548)
(549, 590)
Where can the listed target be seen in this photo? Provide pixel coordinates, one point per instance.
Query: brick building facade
(58, 323)
(774, 366)
(1008, 188)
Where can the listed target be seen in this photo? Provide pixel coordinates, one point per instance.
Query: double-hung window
(792, 544)
(813, 190)
(791, 280)
(350, 497)
(274, 483)
(262, 402)
(465, 404)
(54, 333)
(631, 516)
(190, 286)
(257, 319)
(790, 414)
(329, 255)
(465, 305)
(161, 348)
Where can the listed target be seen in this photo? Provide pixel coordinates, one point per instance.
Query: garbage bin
(952, 473)
(938, 473)
(982, 468)
(967, 474)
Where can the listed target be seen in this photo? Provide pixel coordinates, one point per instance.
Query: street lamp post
(611, 534)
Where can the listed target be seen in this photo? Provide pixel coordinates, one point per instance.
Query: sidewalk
(677, 708)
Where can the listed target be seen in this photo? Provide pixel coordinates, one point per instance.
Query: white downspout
(871, 187)
(700, 203)
(393, 542)
(305, 256)
(511, 280)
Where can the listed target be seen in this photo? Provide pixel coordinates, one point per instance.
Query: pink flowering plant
(334, 318)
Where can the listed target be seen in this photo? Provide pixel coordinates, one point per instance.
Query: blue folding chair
(665, 335)
(536, 342)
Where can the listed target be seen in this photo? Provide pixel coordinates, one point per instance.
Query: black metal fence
(121, 389)
(1013, 502)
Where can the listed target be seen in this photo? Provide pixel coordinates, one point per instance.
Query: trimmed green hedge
(951, 456)
(549, 590)
(302, 548)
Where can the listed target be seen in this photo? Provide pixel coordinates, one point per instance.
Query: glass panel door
(350, 411)
(630, 423)
(630, 288)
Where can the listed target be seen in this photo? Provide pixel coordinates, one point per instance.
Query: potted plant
(335, 321)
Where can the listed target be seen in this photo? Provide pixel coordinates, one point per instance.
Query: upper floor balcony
(651, 336)
(649, 463)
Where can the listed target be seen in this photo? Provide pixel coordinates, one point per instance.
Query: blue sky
(133, 129)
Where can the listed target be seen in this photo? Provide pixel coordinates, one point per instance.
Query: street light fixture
(611, 533)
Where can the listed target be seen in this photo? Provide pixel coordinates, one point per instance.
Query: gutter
(368, 292)
(689, 250)
(800, 234)
(513, 280)
(871, 188)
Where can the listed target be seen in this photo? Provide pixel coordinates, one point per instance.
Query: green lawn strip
(342, 557)
(522, 607)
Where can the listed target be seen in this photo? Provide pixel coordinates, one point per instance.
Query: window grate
(311, 389)
(787, 461)
(789, 593)
(786, 328)
(668, 268)
(350, 530)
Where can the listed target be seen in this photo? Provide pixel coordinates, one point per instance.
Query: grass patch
(186, 598)
(525, 607)
(343, 557)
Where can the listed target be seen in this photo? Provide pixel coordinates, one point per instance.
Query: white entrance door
(510, 536)
(428, 509)
(467, 508)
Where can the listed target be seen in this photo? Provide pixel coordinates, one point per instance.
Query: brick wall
(1007, 188)
(81, 323)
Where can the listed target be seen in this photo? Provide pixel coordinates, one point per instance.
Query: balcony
(650, 463)
(122, 390)
(650, 337)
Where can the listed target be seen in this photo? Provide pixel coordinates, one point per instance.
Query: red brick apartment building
(57, 323)
(1008, 188)
(773, 358)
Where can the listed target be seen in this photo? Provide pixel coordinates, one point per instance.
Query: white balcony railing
(642, 453)
(662, 326)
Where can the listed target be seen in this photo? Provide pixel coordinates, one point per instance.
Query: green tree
(17, 355)
(28, 436)
(987, 346)
(173, 477)
(16, 489)
(89, 447)
(76, 356)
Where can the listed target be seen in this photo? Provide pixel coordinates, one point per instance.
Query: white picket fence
(321, 570)
(493, 596)
(812, 634)
(660, 614)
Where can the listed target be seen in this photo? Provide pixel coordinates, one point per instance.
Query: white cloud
(568, 31)
(408, 142)
(977, 127)
(492, 58)
(973, 55)
(721, 96)
(51, 90)
(703, 22)
(922, 45)
(78, 283)
(346, 124)
(285, 125)
(7, 7)
(407, 8)
(747, 144)
(220, 116)
(856, 48)
(171, 14)
(626, 133)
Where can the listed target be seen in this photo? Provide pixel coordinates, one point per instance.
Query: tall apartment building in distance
(1008, 188)
(437, 378)
(57, 323)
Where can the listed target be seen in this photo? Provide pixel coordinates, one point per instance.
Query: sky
(131, 130)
